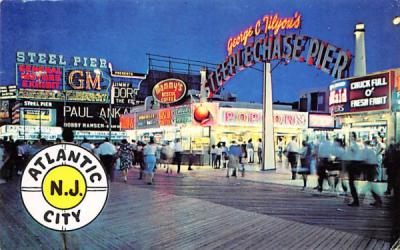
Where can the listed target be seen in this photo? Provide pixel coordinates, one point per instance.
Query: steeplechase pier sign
(252, 46)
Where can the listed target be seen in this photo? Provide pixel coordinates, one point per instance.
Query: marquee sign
(263, 43)
(169, 91)
(370, 92)
(324, 56)
(91, 116)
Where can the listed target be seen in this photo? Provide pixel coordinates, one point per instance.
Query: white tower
(360, 68)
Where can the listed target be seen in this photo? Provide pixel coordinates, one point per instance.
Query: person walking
(225, 153)
(259, 151)
(324, 153)
(233, 154)
(280, 149)
(134, 148)
(219, 151)
(379, 149)
(87, 145)
(355, 167)
(292, 151)
(213, 153)
(389, 163)
(107, 153)
(125, 155)
(140, 158)
(305, 159)
(178, 154)
(250, 151)
(3, 158)
(369, 170)
(149, 153)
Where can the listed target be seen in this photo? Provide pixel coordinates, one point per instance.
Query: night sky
(124, 31)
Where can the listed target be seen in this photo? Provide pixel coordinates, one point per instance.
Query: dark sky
(124, 31)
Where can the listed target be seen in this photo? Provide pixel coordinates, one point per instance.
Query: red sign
(39, 77)
(165, 117)
(370, 92)
(127, 122)
(169, 91)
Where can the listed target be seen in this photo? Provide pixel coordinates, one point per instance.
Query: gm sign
(85, 80)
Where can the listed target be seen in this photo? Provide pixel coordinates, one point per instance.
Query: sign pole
(268, 154)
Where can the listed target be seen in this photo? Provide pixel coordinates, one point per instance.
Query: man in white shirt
(292, 150)
(86, 144)
(107, 152)
(356, 156)
(324, 153)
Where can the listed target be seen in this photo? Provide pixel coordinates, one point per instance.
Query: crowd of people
(340, 162)
(346, 163)
(14, 155)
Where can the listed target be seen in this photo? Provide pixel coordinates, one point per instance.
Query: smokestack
(360, 68)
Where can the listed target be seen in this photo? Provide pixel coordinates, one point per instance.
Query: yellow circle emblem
(64, 187)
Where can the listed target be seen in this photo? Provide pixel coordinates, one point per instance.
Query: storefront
(201, 125)
(363, 105)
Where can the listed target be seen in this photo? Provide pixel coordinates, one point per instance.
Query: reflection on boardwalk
(206, 210)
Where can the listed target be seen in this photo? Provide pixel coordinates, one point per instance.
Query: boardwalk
(205, 210)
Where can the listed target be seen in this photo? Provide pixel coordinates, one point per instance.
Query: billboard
(83, 116)
(370, 93)
(38, 116)
(30, 76)
(339, 97)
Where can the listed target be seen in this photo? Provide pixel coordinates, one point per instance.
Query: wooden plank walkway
(192, 213)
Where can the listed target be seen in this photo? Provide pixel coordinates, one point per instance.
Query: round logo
(64, 187)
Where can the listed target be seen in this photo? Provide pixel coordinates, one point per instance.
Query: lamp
(396, 20)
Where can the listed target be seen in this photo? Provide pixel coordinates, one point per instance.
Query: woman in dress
(125, 155)
(149, 153)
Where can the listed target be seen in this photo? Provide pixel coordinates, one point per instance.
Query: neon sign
(39, 77)
(169, 91)
(268, 24)
(324, 56)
